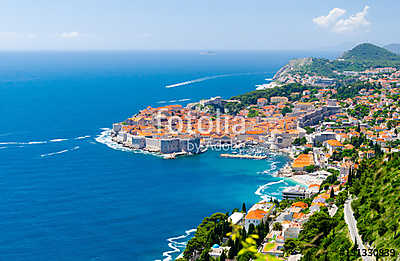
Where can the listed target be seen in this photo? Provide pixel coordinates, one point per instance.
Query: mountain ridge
(394, 48)
(370, 52)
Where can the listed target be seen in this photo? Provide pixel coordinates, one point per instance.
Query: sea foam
(175, 245)
(105, 138)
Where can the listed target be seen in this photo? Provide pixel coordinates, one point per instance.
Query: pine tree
(244, 207)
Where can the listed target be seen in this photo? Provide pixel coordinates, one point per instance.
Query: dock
(243, 156)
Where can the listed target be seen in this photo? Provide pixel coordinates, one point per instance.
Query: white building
(236, 218)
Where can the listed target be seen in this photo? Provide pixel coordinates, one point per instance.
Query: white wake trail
(207, 78)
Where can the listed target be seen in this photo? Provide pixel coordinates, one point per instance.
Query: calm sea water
(65, 196)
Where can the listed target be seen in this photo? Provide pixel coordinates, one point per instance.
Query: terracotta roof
(334, 143)
(256, 214)
(300, 205)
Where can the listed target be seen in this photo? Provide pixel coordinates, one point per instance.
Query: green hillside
(363, 56)
(377, 189)
(370, 52)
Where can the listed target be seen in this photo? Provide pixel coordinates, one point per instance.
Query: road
(352, 225)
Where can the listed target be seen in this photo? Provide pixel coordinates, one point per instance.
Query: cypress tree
(244, 207)
(251, 229)
(332, 195)
(244, 234)
(232, 252)
(350, 178)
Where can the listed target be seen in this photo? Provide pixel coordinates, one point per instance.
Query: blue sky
(195, 24)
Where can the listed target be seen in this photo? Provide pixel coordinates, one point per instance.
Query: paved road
(352, 225)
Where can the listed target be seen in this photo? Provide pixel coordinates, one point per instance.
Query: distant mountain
(369, 52)
(362, 57)
(395, 48)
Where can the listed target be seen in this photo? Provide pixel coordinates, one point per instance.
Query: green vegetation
(338, 155)
(216, 229)
(299, 141)
(353, 90)
(286, 110)
(277, 226)
(311, 168)
(309, 130)
(211, 231)
(359, 112)
(361, 57)
(250, 98)
(370, 52)
(252, 113)
(377, 188)
(326, 238)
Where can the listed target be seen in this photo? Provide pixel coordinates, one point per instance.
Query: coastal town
(326, 126)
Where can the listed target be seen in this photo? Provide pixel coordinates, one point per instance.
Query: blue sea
(65, 195)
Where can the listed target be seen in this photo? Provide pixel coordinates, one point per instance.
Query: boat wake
(180, 100)
(59, 152)
(42, 142)
(209, 78)
(176, 244)
(82, 137)
(58, 140)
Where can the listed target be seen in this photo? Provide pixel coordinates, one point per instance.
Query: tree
(232, 251)
(290, 246)
(300, 141)
(252, 229)
(205, 254)
(310, 168)
(350, 177)
(244, 207)
(277, 226)
(286, 110)
(332, 194)
(222, 257)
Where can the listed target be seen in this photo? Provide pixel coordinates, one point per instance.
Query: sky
(196, 24)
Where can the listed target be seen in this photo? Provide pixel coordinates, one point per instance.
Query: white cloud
(353, 23)
(350, 24)
(69, 35)
(331, 18)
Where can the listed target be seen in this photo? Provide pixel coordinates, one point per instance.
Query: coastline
(176, 243)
